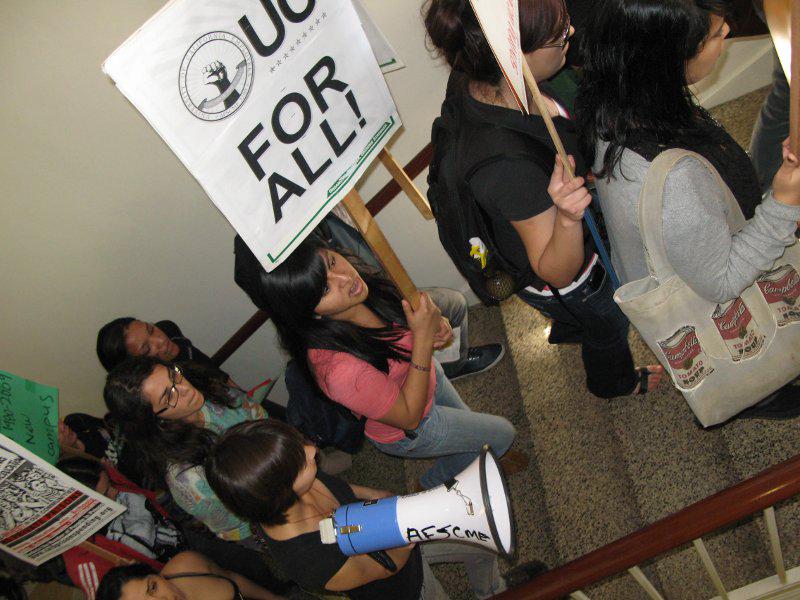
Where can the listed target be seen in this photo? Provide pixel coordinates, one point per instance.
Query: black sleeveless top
(712, 142)
(311, 564)
(237, 595)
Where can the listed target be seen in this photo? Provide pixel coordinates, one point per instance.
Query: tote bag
(722, 357)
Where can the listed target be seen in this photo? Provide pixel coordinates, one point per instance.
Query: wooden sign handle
(406, 184)
(538, 100)
(794, 82)
(783, 20)
(105, 554)
(380, 246)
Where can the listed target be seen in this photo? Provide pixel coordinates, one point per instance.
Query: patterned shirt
(189, 486)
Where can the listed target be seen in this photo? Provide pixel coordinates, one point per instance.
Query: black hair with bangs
(634, 80)
(291, 292)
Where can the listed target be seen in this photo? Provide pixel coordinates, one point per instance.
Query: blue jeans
(452, 433)
(453, 305)
(606, 355)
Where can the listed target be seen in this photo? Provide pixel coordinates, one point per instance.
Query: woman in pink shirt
(370, 351)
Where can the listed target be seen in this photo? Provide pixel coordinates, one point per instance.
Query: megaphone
(472, 507)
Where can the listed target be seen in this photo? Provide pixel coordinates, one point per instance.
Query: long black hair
(634, 80)
(291, 292)
(158, 442)
(252, 469)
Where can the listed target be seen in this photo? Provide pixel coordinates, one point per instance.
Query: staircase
(603, 469)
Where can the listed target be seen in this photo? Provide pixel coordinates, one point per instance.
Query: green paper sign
(29, 415)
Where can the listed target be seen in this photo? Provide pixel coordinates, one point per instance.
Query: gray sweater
(714, 263)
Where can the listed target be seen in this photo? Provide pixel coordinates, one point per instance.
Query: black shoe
(523, 573)
(783, 404)
(479, 359)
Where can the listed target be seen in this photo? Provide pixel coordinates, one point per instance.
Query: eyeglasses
(564, 38)
(175, 377)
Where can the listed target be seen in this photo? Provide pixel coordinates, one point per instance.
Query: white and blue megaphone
(472, 507)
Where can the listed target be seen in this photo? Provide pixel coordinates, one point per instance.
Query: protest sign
(499, 20)
(29, 415)
(42, 511)
(277, 110)
(388, 59)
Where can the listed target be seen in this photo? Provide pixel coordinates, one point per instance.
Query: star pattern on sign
(297, 42)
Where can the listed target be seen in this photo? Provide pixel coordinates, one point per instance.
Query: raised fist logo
(216, 74)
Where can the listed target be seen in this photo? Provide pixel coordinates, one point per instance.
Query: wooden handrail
(723, 508)
(240, 337)
(378, 202)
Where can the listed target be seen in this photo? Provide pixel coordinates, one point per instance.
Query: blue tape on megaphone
(368, 526)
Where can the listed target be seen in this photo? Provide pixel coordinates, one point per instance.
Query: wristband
(419, 367)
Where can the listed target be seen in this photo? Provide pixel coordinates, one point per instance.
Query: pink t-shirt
(364, 389)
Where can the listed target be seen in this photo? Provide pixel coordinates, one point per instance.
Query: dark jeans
(771, 128)
(606, 356)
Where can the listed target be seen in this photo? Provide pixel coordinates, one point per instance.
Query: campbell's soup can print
(689, 363)
(781, 289)
(738, 329)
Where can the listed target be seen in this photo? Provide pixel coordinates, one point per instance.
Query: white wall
(100, 220)
(745, 65)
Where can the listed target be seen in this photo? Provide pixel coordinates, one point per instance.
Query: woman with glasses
(170, 414)
(495, 164)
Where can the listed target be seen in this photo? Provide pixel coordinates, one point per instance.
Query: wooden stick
(105, 554)
(538, 100)
(794, 81)
(380, 246)
(406, 184)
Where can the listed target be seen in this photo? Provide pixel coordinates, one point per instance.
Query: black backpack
(459, 217)
(323, 421)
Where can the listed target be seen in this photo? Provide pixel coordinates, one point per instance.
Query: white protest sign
(42, 511)
(499, 21)
(385, 54)
(276, 108)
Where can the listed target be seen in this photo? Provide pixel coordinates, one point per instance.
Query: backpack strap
(651, 209)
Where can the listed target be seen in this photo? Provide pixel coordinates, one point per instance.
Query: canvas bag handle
(651, 209)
